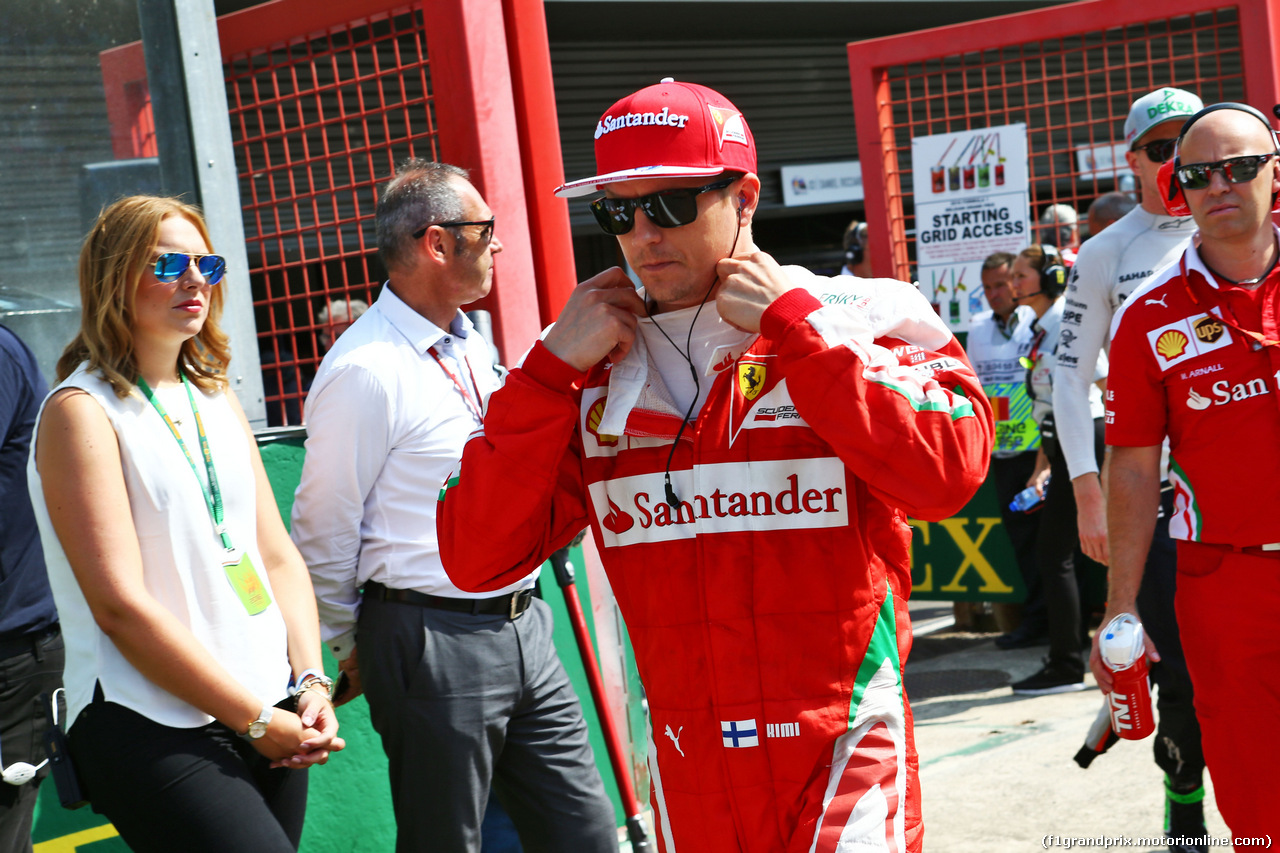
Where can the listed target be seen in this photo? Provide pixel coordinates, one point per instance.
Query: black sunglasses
(486, 233)
(1237, 170)
(170, 266)
(665, 208)
(1160, 150)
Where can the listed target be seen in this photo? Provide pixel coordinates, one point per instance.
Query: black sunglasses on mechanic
(1237, 170)
(665, 208)
(486, 233)
(1160, 150)
(170, 266)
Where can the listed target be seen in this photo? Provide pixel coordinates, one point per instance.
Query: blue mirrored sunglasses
(171, 265)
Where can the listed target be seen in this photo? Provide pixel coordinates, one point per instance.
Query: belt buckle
(1271, 546)
(515, 602)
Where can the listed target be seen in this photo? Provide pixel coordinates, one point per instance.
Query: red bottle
(1124, 653)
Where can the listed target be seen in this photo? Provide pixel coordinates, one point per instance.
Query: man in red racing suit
(765, 589)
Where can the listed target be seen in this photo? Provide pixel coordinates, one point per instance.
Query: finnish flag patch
(739, 733)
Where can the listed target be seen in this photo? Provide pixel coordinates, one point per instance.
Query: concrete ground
(996, 770)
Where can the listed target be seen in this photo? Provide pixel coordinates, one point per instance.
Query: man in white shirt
(464, 688)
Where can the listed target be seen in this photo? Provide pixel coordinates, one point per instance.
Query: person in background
(187, 612)
(31, 651)
(857, 260)
(465, 689)
(998, 338)
(1060, 227)
(1106, 210)
(1039, 279)
(336, 317)
(1110, 267)
(1195, 354)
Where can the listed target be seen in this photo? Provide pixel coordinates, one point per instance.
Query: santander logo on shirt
(724, 497)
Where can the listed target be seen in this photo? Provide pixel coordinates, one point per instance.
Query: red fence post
(535, 102)
(475, 113)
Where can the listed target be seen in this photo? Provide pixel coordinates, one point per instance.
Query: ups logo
(1209, 330)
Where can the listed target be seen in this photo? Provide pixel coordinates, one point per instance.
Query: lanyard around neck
(212, 493)
(1224, 312)
(472, 404)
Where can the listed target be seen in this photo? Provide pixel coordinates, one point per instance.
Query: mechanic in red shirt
(1196, 356)
(746, 442)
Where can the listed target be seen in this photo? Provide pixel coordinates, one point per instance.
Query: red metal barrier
(1069, 72)
(325, 97)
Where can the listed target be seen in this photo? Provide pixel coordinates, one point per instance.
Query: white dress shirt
(386, 424)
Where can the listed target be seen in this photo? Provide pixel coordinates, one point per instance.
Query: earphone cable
(673, 500)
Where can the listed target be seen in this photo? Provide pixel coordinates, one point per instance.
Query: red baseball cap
(671, 130)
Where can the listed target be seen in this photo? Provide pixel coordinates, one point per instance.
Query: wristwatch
(258, 727)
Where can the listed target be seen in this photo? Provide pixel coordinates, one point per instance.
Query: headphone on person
(1053, 275)
(1171, 194)
(856, 250)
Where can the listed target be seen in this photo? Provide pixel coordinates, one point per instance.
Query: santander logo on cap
(673, 129)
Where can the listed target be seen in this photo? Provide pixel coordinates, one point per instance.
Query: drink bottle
(1028, 499)
(1124, 653)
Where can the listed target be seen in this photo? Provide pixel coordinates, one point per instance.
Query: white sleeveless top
(182, 556)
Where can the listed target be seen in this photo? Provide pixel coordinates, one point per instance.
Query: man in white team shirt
(1108, 268)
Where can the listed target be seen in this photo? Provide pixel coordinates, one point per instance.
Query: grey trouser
(463, 700)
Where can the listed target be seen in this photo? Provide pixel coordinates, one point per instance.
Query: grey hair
(997, 260)
(1064, 216)
(342, 310)
(421, 193)
(1111, 206)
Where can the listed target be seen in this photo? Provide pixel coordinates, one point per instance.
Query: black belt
(24, 643)
(510, 605)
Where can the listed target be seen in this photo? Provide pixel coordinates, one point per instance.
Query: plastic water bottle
(1028, 499)
(1124, 653)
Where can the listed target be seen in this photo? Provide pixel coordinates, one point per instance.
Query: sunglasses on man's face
(486, 231)
(665, 208)
(1236, 170)
(171, 265)
(1160, 150)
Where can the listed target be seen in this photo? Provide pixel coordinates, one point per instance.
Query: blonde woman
(186, 610)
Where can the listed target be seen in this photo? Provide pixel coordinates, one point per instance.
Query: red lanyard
(1224, 312)
(472, 403)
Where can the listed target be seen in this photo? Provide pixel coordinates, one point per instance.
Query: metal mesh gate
(317, 123)
(1072, 89)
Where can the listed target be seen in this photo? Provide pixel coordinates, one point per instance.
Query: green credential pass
(240, 572)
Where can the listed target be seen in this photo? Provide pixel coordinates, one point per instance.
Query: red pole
(535, 103)
(617, 755)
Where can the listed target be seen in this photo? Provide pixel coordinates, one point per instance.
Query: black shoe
(1022, 637)
(1053, 678)
(1184, 821)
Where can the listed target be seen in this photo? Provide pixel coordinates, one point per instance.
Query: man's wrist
(790, 307)
(548, 369)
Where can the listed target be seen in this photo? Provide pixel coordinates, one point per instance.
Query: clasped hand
(302, 739)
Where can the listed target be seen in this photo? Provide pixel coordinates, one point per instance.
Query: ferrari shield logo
(751, 379)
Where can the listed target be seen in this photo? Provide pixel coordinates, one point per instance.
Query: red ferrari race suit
(768, 612)
(1184, 364)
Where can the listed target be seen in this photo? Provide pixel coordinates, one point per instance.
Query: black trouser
(204, 790)
(464, 700)
(1011, 474)
(1177, 740)
(25, 677)
(1056, 550)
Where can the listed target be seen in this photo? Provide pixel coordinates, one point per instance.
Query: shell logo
(1172, 344)
(594, 414)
